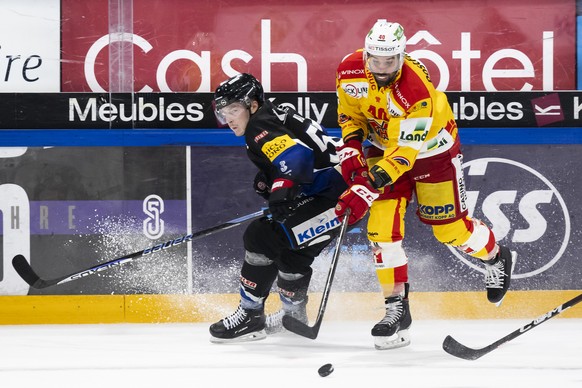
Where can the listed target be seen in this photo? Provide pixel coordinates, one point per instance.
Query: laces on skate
(498, 275)
(392, 331)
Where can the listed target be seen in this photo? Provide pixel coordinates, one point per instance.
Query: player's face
(383, 68)
(237, 116)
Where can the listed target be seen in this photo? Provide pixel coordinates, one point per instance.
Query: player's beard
(384, 79)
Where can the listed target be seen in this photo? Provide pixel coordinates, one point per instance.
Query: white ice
(180, 355)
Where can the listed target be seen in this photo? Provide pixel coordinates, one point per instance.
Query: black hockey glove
(261, 185)
(380, 178)
(282, 201)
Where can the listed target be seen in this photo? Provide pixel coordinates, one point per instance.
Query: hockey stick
(453, 347)
(296, 326)
(26, 272)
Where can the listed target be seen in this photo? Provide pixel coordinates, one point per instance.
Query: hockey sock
(255, 284)
(293, 289)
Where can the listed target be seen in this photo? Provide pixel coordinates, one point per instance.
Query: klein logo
(547, 109)
(153, 225)
(316, 227)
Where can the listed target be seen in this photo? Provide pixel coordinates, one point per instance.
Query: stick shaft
(455, 348)
(296, 326)
(26, 272)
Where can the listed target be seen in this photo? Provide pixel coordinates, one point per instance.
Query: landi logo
(524, 209)
(547, 109)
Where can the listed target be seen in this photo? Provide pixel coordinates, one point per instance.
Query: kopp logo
(524, 209)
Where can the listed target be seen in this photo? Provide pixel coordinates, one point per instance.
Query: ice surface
(180, 355)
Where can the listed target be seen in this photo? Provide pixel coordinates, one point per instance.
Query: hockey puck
(325, 370)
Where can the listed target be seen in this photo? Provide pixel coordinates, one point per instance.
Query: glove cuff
(283, 190)
(354, 143)
(364, 192)
(379, 177)
(352, 148)
(281, 183)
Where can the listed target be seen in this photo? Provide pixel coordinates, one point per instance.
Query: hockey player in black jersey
(298, 173)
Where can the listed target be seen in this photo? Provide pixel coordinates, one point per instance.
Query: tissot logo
(524, 209)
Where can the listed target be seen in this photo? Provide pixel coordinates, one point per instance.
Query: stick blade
(296, 326)
(457, 349)
(24, 269)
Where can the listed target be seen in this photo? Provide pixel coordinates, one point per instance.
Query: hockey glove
(352, 161)
(282, 201)
(358, 198)
(379, 177)
(261, 185)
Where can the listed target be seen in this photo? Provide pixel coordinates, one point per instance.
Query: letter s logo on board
(153, 225)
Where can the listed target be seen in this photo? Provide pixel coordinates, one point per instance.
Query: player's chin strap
(23, 268)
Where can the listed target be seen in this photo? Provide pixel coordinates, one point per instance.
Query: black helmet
(242, 88)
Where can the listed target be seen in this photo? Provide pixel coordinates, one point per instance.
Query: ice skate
(498, 276)
(392, 331)
(274, 321)
(292, 289)
(242, 325)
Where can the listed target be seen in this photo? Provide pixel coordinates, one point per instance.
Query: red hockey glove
(352, 161)
(282, 201)
(358, 198)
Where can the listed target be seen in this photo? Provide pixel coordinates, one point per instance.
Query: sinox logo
(524, 209)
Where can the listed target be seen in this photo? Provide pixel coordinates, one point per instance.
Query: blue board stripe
(224, 137)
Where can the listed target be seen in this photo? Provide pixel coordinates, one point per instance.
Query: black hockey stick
(296, 326)
(453, 347)
(26, 272)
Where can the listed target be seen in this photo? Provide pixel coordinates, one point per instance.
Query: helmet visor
(383, 65)
(231, 112)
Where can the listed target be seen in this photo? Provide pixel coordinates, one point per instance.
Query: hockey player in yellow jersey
(386, 97)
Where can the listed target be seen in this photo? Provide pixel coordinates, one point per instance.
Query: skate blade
(398, 340)
(513, 260)
(254, 336)
(275, 330)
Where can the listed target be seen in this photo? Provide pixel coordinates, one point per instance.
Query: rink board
(77, 309)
